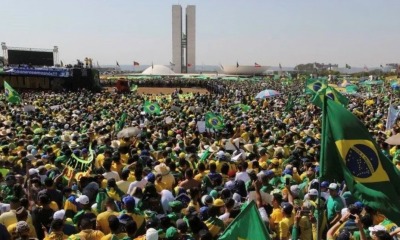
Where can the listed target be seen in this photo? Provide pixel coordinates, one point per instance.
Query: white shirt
(224, 216)
(112, 174)
(244, 176)
(141, 184)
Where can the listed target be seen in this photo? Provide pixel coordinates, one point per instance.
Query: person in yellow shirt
(276, 215)
(87, 232)
(117, 231)
(102, 218)
(124, 183)
(22, 215)
(287, 221)
(56, 233)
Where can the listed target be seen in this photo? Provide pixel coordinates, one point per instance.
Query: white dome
(158, 70)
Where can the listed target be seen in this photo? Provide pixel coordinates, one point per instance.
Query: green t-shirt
(334, 205)
(356, 234)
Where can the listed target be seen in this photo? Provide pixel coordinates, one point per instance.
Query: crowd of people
(65, 173)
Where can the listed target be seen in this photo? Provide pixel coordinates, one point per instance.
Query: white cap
(377, 228)
(333, 186)
(313, 192)
(151, 234)
(83, 199)
(60, 214)
(30, 157)
(220, 153)
(33, 171)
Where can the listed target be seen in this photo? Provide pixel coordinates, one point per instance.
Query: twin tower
(183, 43)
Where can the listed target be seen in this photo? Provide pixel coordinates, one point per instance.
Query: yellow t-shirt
(305, 228)
(12, 228)
(109, 236)
(283, 228)
(102, 221)
(90, 234)
(123, 185)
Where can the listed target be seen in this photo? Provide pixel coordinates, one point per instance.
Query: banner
(80, 166)
(50, 72)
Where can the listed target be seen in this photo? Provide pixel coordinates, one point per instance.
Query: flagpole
(322, 158)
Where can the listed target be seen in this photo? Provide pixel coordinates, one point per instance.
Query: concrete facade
(191, 38)
(177, 48)
(184, 43)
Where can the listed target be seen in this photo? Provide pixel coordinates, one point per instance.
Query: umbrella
(393, 140)
(29, 108)
(395, 86)
(267, 93)
(129, 132)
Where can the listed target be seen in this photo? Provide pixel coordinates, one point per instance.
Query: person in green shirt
(334, 204)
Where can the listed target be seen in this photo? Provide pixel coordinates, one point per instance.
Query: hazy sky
(268, 32)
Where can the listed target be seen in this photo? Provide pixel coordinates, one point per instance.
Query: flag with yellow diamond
(352, 154)
(11, 95)
(248, 225)
(314, 85)
(332, 94)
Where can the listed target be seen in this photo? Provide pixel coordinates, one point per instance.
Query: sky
(269, 32)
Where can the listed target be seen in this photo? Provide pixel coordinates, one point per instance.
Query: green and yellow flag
(353, 155)
(332, 94)
(134, 88)
(315, 85)
(11, 95)
(152, 108)
(214, 121)
(243, 107)
(248, 225)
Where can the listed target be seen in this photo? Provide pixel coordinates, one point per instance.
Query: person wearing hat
(167, 178)
(213, 223)
(129, 208)
(22, 215)
(176, 207)
(334, 204)
(85, 212)
(22, 230)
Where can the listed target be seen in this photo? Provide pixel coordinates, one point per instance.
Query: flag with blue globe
(11, 95)
(214, 121)
(152, 108)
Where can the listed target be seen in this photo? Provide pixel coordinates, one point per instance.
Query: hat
(287, 207)
(65, 138)
(171, 233)
(377, 228)
(60, 214)
(176, 204)
(325, 184)
(213, 148)
(33, 171)
(333, 186)
(205, 199)
(83, 199)
(269, 173)
(162, 169)
(313, 192)
(151, 234)
(115, 144)
(124, 218)
(249, 148)
(128, 201)
(73, 145)
(22, 226)
(218, 203)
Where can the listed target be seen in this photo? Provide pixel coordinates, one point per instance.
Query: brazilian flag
(121, 122)
(11, 95)
(152, 108)
(315, 85)
(289, 104)
(241, 228)
(134, 88)
(214, 121)
(353, 155)
(243, 107)
(332, 94)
